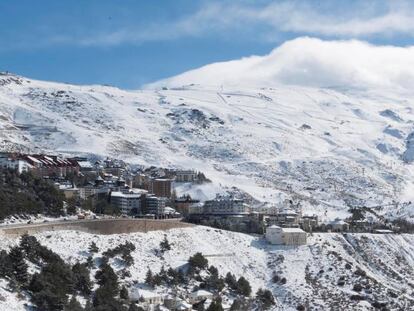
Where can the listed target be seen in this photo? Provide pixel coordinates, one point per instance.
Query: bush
(357, 287)
(93, 248)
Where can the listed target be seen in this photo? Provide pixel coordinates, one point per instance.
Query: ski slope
(329, 148)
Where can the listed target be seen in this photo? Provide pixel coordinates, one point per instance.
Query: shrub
(93, 248)
(357, 287)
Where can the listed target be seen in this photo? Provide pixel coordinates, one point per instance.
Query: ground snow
(311, 271)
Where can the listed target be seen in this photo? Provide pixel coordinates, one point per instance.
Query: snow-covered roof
(201, 293)
(144, 293)
(274, 227)
(293, 230)
(33, 159)
(119, 194)
(85, 164)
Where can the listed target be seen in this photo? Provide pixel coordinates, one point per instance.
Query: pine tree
(133, 307)
(82, 281)
(107, 279)
(165, 244)
(243, 287)
(123, 293)
(265, 298)
(216, 305)
(6, 267)
(73, 305)
(198, 261)
(93, 248)
(19, 265)
(149, 278)
(231, 281)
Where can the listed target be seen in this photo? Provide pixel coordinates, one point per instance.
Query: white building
(155, 205)
(225, 205)
(129, 202)
(200, 295)
(185, 176)
(285, 236)
(89, 191)
(147, 296)
(20, 165)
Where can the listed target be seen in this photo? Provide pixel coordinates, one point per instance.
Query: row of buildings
(40, 164)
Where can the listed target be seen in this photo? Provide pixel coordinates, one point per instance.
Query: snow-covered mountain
(330, 148)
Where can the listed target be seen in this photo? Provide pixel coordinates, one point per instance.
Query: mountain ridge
(330, 149)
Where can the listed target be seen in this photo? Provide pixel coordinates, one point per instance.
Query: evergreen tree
(123, 294)
(243, 287)
(89, 262)
(127, 258)
(265, 298)
(163, 275)
(73, 305)
(30, 246)
(6, 266)
(50, 288)
(19, 265)
(93, 248)
(198, 261)
(107, 280)
(71, 206)
(82, 281)
(133, 307)
(216, 305)
(241, 304)
(165, 244)
(149, 278)
(231, 281)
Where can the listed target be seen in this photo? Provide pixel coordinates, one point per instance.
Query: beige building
(285, 236)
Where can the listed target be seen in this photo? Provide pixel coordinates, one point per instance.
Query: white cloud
(311, 62)
(239, 20)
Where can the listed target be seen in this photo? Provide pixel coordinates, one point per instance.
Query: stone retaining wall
(98, 226)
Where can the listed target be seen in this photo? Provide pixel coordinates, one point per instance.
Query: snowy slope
(382, 264)
(329, 148)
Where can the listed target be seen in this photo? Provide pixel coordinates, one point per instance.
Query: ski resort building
(161, 187)
(155, 205)
(225, 205)
(185, 176)
(129, 202)
(285, 236)
(39, 164)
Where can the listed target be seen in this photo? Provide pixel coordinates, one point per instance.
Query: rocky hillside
(359, 271)
(329, 148)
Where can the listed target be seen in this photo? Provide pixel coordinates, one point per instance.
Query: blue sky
(129, 43)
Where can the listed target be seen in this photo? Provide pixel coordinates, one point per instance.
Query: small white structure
(285, 236)
(146, 296)
(200, 295)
